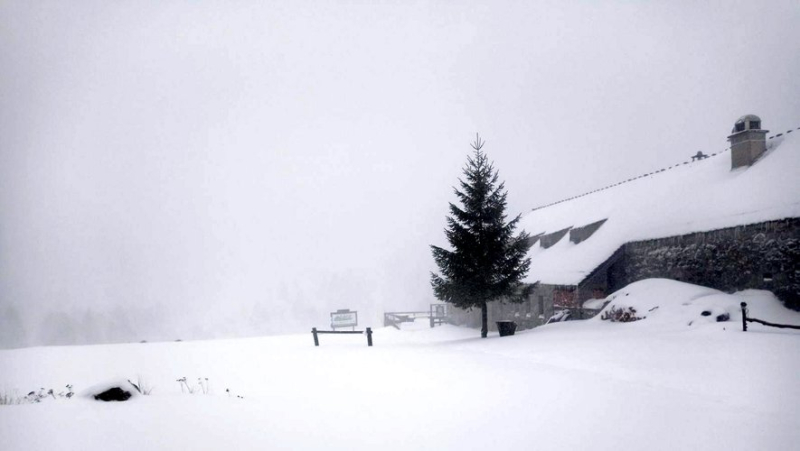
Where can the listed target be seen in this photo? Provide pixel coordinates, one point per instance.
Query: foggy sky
(199, 169)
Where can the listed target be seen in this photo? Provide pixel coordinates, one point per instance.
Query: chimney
(748, 141)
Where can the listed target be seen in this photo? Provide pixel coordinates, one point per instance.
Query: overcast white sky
(220, 168)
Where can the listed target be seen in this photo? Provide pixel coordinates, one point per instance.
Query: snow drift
(665, 303)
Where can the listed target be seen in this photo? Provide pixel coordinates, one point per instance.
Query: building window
(755, 125)
(541, 305)
(564, 298)
(740, 126)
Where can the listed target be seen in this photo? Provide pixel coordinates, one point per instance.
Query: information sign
(343, 318)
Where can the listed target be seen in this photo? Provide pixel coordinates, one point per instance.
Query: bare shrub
(35, 396)
(620, 315)
(202, 386)
(142, 386)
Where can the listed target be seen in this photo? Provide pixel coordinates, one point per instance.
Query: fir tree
(487, 262)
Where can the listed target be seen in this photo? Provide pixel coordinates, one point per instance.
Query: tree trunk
(484, 320)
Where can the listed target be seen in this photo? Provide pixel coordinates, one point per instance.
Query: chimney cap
(747, 122)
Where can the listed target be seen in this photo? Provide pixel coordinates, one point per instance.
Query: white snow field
(654, 384)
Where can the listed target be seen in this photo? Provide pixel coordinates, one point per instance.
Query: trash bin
(506, 328)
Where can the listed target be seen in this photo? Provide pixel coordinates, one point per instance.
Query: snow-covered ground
(657, 383)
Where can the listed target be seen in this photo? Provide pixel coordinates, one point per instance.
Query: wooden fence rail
(745, 320)
(316, 334)
(394, 319)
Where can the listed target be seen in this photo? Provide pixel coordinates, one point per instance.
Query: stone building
(729, 220)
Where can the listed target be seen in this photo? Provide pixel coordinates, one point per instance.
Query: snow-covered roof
(688, 197)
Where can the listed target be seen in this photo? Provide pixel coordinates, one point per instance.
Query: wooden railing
(316, 334)
(745, 320)
(394, 319)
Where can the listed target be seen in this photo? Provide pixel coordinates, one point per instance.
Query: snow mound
(664, 302)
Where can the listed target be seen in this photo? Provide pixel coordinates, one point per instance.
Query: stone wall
(762, 256)
(603, 280)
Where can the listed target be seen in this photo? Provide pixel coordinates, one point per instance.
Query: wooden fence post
(314, 332)
(369, 336)
(744, 316)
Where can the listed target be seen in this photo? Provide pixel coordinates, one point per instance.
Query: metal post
(314, 332)
(744, 316)
(369, 336)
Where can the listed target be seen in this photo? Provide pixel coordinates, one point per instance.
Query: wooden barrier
(436, 315)
(745, 320)
(316, 334)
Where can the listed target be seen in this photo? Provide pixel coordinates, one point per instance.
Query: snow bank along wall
(763, 256)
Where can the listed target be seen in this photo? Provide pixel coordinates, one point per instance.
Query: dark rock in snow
(723, 317)
(706, 313)
(113, 394)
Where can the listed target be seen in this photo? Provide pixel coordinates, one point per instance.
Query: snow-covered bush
(620, 315)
